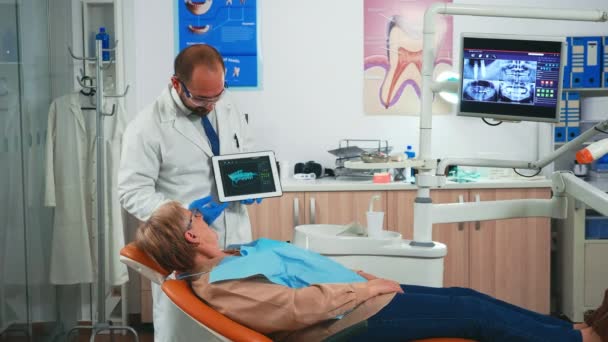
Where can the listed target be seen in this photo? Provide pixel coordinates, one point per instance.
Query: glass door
(28, 305)
(13, 272)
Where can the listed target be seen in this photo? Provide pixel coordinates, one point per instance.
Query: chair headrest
(143, 263)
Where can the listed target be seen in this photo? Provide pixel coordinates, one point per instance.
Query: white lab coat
(71, 187)
(166, 157)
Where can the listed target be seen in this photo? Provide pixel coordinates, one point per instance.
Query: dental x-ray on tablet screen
(246, 176)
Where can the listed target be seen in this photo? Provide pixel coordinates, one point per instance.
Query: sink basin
(387, 256)
(334, 238)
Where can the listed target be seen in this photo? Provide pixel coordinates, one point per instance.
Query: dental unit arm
(425, 212)
(593, 151)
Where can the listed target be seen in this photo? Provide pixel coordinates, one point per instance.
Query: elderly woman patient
(289, 293)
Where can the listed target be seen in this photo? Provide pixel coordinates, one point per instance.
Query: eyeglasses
(201, 100)
(194, 213)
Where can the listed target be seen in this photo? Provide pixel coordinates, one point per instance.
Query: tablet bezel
(220, 186)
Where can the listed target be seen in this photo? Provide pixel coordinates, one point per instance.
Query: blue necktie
(214, 140)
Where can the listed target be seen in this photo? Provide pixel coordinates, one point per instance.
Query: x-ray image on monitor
(511, 77)
(499, 80)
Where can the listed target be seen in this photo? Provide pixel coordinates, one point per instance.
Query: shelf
(359, 165)
(564, 143)
(587, 91)
(590, 121)
(596, 242)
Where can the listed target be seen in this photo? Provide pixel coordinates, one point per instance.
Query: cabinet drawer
(596, 276)
(146, 306)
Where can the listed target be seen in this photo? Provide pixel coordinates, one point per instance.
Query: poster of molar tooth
(393, 56)
(228, 25)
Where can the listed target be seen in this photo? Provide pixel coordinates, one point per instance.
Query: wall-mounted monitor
(513, 78)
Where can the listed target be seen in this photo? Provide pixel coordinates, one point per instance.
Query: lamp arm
(536, 165)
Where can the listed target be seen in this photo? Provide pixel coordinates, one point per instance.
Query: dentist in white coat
(166, 156)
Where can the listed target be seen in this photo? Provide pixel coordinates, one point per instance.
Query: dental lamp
(432, 173)
(447, 86)
(592, 152)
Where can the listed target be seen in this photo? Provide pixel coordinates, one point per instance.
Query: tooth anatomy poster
(393, 56)
(228, 25)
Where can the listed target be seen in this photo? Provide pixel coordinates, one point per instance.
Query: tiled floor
(144, 331)
(143, 337)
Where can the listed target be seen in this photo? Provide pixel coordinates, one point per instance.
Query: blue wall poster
(228, 25)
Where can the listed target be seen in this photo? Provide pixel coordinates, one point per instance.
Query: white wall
(312, 79)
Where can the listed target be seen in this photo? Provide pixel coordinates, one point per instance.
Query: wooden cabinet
(454, 235)
(276, 217)
(457, 237)
(400, 212)
(342, 207)
(511, 259)
(508, 259)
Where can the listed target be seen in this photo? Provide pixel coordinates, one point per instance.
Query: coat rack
(101, 324)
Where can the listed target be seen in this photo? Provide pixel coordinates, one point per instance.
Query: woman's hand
(380, 286)
(366, 275)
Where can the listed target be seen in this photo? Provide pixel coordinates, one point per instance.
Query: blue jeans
(424, 312)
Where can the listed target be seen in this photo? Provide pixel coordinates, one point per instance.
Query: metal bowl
(374, 157)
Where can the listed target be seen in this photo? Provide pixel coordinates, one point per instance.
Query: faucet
(371, 202)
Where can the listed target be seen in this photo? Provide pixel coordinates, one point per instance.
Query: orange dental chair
(219, 325)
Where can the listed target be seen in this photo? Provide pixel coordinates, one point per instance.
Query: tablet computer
(246, 176)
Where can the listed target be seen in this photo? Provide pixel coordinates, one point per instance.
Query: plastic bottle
(409, 172)
(105, 43)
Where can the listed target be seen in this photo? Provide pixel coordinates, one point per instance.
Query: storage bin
(596, 227)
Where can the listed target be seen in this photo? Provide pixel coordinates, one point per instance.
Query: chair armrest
(182, 295)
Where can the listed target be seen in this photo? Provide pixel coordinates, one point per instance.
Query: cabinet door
(342, 207)
(276, 217)
(456, 237)
(596, 276)
(400, 212)
(510, 259)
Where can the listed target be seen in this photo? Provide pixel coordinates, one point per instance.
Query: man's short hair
(195, 55)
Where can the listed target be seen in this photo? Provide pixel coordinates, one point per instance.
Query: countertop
(354, 184)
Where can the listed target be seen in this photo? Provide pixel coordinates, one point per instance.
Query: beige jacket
(286, 314)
